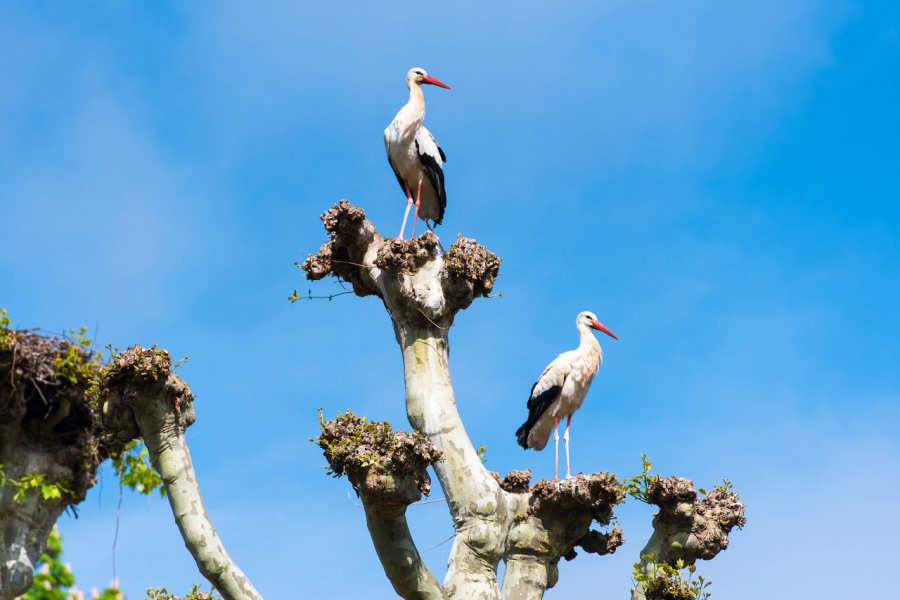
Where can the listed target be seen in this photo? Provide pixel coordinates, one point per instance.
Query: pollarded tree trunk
(61, 414)
(529, 528)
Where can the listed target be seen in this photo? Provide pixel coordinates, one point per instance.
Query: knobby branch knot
(418, 283)
(386, 468)
(514, 482)
(559, 516)
(689, 528)
(139, 380)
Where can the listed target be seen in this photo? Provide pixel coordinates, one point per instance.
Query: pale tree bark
(57, 426)
(388, 472)
(423, 289)
(162, 404)
(49, 436)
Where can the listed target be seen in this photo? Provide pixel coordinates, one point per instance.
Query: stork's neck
(414, 110)
(587, 340)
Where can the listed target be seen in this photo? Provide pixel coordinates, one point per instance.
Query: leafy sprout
(638, 486)
(133, 467)
(662, 581)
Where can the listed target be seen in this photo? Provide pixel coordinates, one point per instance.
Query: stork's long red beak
(433, 81)
(600, 326)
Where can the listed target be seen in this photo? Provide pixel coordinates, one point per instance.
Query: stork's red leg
(566, 438)
(556, 450)
(409, 202)
(416, 218)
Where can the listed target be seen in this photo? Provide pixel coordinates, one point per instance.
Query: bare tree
(530, 528)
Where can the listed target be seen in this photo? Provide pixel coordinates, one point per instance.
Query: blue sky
(719, 182)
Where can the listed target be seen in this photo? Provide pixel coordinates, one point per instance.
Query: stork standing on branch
(561, 389)
(415, 156)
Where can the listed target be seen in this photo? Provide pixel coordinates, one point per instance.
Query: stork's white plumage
(561, 389)
(415, 157)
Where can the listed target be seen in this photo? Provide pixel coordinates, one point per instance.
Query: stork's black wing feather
(435, 175)
(536, 407)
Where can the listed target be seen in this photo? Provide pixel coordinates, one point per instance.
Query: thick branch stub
(406, 256)
(687, 528)
(470, 262)
(417, 283)
(377, 460)
(596, 542)
(388, 472)
(514, 482)
(52, 433)
(140, 381)
(557, 518)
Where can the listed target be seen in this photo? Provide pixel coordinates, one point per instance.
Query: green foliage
(5, 324)
(723, 487)
(195, 594)
(53, 578)
(482, 451)
(38, 482)
(638, 486)
(662, 581)
(54, 581)
(134, 470)
(76, 363)
(350, 442)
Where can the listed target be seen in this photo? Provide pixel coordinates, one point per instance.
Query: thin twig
(438, 545)
(432, 501)
(348, 262)
(40, 393)
(116, 537)
(457, 532)
(309, 296)
(430, 321)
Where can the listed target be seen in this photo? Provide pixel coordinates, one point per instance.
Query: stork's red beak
(600, 326)
(433, 81)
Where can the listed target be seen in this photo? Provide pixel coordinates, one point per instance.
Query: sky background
(719, 182)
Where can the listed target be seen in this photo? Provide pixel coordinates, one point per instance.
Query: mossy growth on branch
(469, 260)
(138, 364)
(354, 445)
(53, 387)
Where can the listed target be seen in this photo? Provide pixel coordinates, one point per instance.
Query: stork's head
(588, 320)
(418, 76)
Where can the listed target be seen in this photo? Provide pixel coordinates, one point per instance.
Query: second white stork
(415, 157)
(561, 390)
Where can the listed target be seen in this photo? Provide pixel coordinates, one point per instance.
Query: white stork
(414, 155)
(561, 389)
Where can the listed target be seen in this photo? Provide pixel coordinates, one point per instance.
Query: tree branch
(684, 530)
(388, 472)
(423, 290)
(52, 438)
(140, 381)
